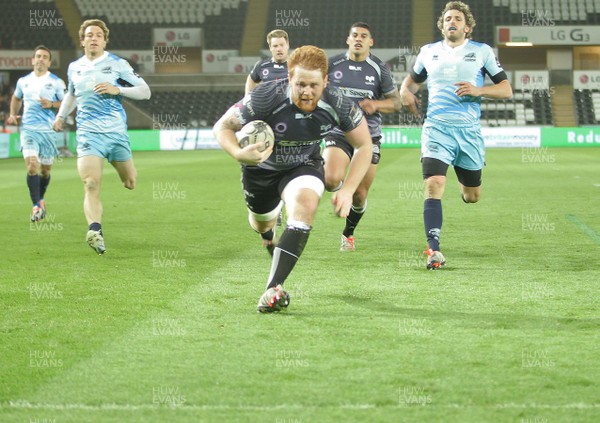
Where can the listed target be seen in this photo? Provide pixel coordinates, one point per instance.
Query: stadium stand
(191, 109)
(25, 24)
(131, 21)
(310, 21)
(525, 108)
(587, 105)
(524, 12)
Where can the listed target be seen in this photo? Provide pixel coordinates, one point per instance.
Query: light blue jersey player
(455, 69)
(367, 81)
(97, 83)
(40, 93)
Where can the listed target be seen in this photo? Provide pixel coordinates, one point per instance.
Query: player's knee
(333, 184)
(471, 197)
(45, 173)
(334, 179)
(261, 226)
(91, 184)
(434, 184)
(129, 183)
(32, 169)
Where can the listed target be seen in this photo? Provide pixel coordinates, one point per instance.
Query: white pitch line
(26, 405)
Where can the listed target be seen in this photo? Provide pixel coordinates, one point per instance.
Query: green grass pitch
(163, 328)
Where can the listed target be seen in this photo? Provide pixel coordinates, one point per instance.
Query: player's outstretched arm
(408, 99)
(360, 139)
(224, 131)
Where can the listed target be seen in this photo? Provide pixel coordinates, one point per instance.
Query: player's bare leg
(336, 166)
(90, 172)
(127, 173)
(265, 226)
(470, 194)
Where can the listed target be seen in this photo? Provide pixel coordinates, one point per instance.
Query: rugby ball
(256, 132)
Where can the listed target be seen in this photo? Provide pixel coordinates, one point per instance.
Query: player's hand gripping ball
(256, 132)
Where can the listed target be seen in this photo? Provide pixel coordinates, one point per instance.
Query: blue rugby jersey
(444, 66)
(30, 89)
(100, 112)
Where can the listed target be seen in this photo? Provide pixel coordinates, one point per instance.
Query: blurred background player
(274, 68)
(300, 112)
(97, 82)
(366, 80)
(42, 92)
(454, 68)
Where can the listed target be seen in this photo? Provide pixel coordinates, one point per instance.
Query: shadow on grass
(495, 320)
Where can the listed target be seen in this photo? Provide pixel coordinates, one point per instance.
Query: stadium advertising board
(217, 61)
(188, 139)
(4, 146)
(511, 136)
(549, 34)
(532, 80)
(571, 137)
(493, 137)
(586, 80)
(21, 59)
(401, 137)
(178, 37)
(142, 61)
(240, 64)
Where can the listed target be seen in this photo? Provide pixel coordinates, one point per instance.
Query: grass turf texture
(164, 326)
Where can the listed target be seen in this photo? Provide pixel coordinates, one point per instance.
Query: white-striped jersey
(100, 112)
(30, 89)
(444, 66)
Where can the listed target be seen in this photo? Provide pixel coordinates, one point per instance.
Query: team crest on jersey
(369, 80)
(48, 86)
(470, 57)
(435, 57)
(107, 69)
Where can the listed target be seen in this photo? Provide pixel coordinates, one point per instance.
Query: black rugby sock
(353, 218)
(33, 182)
(432, 217)
(44, 182)
(95, 226)
(286, 254)
(268, 236)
